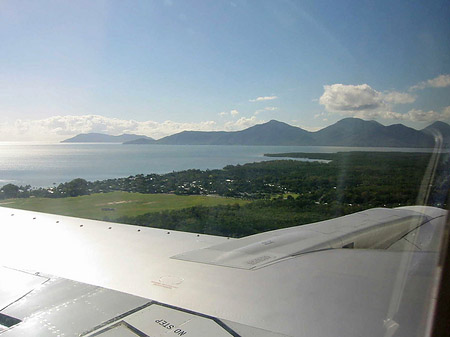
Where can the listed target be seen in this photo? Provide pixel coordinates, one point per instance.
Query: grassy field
(115, 204)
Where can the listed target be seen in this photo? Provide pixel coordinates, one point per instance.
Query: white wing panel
(345, 292)
(375, 228)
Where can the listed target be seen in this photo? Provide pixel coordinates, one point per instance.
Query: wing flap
(371, 229)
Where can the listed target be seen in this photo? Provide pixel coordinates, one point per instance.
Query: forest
(284, 192)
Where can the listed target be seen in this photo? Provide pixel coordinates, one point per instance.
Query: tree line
(284, 192)
(374, 178)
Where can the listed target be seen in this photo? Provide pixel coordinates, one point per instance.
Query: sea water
(42, 165)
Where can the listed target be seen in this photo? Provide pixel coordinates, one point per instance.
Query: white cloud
(415, 115)
(343, 98)
(268, 108)
(322, 116)
(60, 127)
(263, 98)
(440, 81)
(242, 123)
(233, 113)
(362, 101)
(398, 97)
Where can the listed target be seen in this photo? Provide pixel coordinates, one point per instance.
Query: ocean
(44, 165)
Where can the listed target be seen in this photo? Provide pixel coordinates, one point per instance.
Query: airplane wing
(372, 273)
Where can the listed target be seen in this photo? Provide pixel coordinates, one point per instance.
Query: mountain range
(103, 138)
(353, 132)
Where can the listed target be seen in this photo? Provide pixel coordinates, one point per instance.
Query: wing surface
(372, 273)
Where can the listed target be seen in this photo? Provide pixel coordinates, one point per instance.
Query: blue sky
(159, 67)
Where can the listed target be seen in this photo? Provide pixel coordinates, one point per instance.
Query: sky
(163, 66)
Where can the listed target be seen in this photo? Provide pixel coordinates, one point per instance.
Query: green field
(113, 205)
